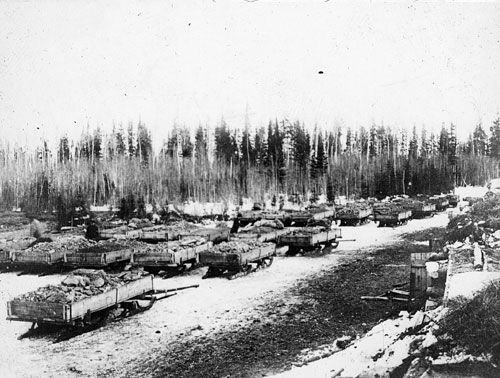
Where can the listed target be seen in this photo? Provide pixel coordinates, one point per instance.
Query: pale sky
(67, 63)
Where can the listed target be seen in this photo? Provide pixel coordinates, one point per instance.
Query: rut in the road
(326, 306)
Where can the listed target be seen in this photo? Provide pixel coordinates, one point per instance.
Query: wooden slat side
(35, 310)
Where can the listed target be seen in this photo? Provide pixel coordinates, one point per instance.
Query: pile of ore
(109, 246)
(308, 231)
(69, 243)
(353, 209)
(171, 247)
(80, 284)
(410, 204)
(250, 229)
(236, 246)
(263, 226)
(387, 208)
(146, 225)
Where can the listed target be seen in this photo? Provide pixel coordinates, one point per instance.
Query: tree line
(228, 163)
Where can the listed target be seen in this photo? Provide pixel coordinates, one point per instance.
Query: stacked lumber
(80, 284)
(237, 246)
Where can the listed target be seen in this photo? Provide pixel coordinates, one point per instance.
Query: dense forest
(228, 163)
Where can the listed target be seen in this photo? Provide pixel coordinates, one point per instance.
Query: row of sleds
(87, 297)
(395, 211)
(392, 212)
(252, 247)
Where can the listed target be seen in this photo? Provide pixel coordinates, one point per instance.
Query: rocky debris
(384, 208)
(16, 244)
(106, 246)
(137, 223)
(308, 231)
(355, 209)
(145, 225)
(67, 243)
(80, 284)
(481, 224)
(170, 247)
(263, 226)
(276, 224)
(238, 246)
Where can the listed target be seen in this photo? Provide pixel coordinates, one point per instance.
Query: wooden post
(419, 281)
(436, 245)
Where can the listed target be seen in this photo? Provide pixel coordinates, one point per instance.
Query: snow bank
(380, 351)
(468, 283)
(471, 191)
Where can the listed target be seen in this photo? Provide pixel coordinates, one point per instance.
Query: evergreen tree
(444, 141)
(201, 144)
(495, 138)
(373, 141)
(63, 151)
(131, 147)
(120, 142)
(260, 147)
(97, 144)
(480, 140)
(247, 150)
(319, 161)
(144, 145)
(224, 145)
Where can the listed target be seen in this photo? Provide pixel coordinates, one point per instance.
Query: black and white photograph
(249, 188)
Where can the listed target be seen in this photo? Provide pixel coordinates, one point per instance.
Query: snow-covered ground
(218, 304)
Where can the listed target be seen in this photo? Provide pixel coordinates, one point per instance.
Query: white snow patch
(471, 191)
(468, 283)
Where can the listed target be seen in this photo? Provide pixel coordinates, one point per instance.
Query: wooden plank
(96, 259)
(152, 259)
(32, 311)
(215, 235)
(257, 254)
(236, 259)
(262, 237)
(168, 258)
(27, 258)
(110, 298)
(310, 240)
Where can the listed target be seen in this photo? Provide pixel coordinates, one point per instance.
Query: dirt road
(252, 326)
